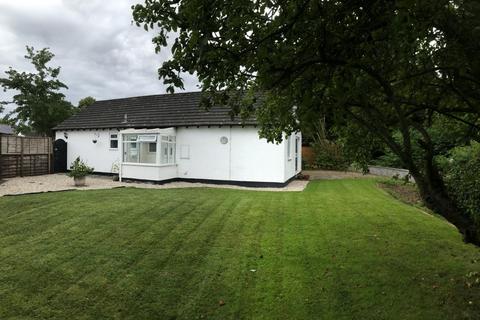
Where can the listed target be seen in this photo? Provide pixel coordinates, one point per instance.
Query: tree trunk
(434, 194)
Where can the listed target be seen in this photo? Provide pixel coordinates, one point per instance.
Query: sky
(101, 53)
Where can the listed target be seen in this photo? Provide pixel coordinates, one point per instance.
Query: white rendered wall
(245, 157)
(254, 159)
(207, 158)
(199, 155)
(97, 155)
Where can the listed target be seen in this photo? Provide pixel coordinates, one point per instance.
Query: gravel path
(330, 175)
(61, 182)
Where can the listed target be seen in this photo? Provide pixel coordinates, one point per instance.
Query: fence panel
(25, 156)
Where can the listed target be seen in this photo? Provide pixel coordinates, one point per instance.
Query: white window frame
(114, 139)
(289, 147)
(148, 139)
(156, 147)
(171, 145)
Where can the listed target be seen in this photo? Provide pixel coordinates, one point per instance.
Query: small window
(145, 138)
(113, 141)
(152, 147)
(289, 147)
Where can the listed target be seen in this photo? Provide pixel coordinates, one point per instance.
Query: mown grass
(341, 249)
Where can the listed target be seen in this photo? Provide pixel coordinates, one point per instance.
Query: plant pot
(79, 181)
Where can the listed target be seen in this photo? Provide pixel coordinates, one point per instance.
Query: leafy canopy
(381, 70)
(362, 59)
(85, 102)
(39, 104)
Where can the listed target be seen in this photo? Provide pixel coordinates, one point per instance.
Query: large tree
(382, 69)
(39, 104)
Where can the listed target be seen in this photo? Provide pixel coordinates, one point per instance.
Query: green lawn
(341, 249)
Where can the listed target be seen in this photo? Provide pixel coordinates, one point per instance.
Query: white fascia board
(166, 131)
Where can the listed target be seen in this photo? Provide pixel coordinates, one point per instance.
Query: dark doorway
(59, 156)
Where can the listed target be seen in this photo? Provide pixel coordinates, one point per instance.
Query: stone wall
(389, 172)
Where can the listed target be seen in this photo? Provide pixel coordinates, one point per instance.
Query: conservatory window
(149, 138)
(152, 147)
(167, 147)
(143, 148)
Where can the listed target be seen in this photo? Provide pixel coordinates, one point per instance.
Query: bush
(461, 171)
(79, 169)
(330, 156)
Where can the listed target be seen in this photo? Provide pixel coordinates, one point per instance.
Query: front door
(59, 156)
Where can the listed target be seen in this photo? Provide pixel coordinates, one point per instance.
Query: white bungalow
(168, 137)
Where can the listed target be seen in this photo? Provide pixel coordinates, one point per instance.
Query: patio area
(61, 182)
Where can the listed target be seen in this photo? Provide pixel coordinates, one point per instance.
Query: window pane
(113, 141)
(164, 152)
(130, 137)
(130, 154)
(145, 155)
(152, 147)
(289, 147)
(171, 153)
(146, 138)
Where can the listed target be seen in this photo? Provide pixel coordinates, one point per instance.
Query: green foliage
(462, 176)
(330, 156)
(389, 159)
(39, 104)
(387, 67)
(358, 144)
(79, 169)
(85, 102)
(445, 134)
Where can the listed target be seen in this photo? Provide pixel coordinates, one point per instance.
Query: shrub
(79, 169)
(330, 156)
(461, 171)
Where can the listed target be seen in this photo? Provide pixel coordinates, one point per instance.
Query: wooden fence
(25, 156)
(308, 156)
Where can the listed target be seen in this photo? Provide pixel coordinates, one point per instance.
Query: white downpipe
(120, 147)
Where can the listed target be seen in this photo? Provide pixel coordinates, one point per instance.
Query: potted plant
(79, 170)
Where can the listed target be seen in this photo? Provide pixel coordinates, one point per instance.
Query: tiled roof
(155, 111)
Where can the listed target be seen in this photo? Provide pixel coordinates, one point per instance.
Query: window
(144, 138)
(289, 147)
(142, 148)
(152, 147)
(113, 141)
(130, 152)
(167, 147)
